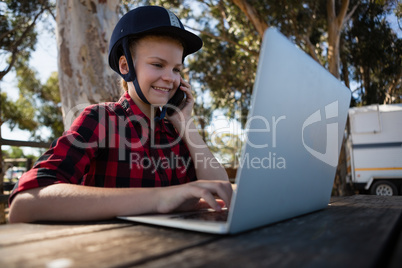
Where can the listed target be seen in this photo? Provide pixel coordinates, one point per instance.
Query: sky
(44, 61)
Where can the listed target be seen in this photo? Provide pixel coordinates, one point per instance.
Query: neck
(144, 107)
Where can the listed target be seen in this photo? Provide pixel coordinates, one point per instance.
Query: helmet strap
(131, 75)
(162, 115)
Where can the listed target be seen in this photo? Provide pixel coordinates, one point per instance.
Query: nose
(169, 76)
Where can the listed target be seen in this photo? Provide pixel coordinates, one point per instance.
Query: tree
(335, 26)
(84, 29)
(226, 147)
(228, 61)
(17, 29)
(398, 14)
(50, 114)
(375, 55)
(19, 113)
(203, 113)
(17, 40)
(37, 106)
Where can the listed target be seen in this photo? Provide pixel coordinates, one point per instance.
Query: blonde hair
(123, 84)
(133, 41)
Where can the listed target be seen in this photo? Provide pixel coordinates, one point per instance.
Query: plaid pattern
(113, 145)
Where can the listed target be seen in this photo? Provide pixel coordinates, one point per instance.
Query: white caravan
(374, 149)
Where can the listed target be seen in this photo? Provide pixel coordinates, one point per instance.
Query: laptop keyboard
(205, 216)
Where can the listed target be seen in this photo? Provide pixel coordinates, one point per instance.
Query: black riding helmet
(142, 21)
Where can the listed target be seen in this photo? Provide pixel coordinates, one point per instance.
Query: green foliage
(50, 114)
(37, 105)
(19, 113)
(370, 51)
(226, 147)
(228, 61)
(14, 152)
(398, 14)
(17, 29)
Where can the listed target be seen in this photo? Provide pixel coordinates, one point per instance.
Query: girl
(117, 157)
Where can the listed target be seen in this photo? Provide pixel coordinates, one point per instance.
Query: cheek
(176, 87)
(146, 77)
(177, 81)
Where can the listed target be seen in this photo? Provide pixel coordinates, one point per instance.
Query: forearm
(206, 165)
(69, 202)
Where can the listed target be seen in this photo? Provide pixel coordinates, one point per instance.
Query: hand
(195, 195)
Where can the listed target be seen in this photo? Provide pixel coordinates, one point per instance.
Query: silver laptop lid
(296, 125)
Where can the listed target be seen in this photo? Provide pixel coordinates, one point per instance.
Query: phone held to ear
(175, 101)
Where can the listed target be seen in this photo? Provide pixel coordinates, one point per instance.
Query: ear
(123, 66)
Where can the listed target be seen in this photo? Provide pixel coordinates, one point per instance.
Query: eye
(158, 65)
(177, 70)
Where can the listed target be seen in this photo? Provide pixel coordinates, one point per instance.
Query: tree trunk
(83, 31)
(391, 88)
(344, 61)
(335, 24)
(252, 14)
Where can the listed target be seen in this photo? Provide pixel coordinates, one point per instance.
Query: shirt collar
(131, 109)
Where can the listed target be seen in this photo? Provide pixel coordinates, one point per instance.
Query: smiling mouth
(162, 89)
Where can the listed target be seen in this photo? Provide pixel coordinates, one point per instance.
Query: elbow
(14, 215)
(19, 210)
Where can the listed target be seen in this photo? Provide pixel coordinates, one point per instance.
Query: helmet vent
(174, 21)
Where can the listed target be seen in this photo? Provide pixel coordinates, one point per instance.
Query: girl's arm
(206, 165)
(70, 202)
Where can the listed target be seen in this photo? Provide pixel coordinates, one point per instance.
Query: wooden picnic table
(354, 231)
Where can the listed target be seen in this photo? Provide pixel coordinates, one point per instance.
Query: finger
(184, 83)
(208, 197)
(202, 204)
(186, 87)
(221, 202)
(222, 189)
(189, 94)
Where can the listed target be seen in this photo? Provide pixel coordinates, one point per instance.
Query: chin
(159, 102)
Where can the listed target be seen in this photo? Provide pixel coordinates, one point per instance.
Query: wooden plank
(14, 234)
(352, 232)
(108, 248)
(396, 256)
(18, 143)
(15, 160)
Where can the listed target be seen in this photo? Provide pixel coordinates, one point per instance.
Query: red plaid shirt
(113, 145)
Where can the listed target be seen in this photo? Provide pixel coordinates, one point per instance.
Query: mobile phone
(176, 100)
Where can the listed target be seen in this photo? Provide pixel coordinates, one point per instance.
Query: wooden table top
(354, 231)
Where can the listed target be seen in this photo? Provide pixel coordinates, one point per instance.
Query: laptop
(294, 133)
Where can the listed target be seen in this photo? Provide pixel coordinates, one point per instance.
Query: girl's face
(158, 63)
